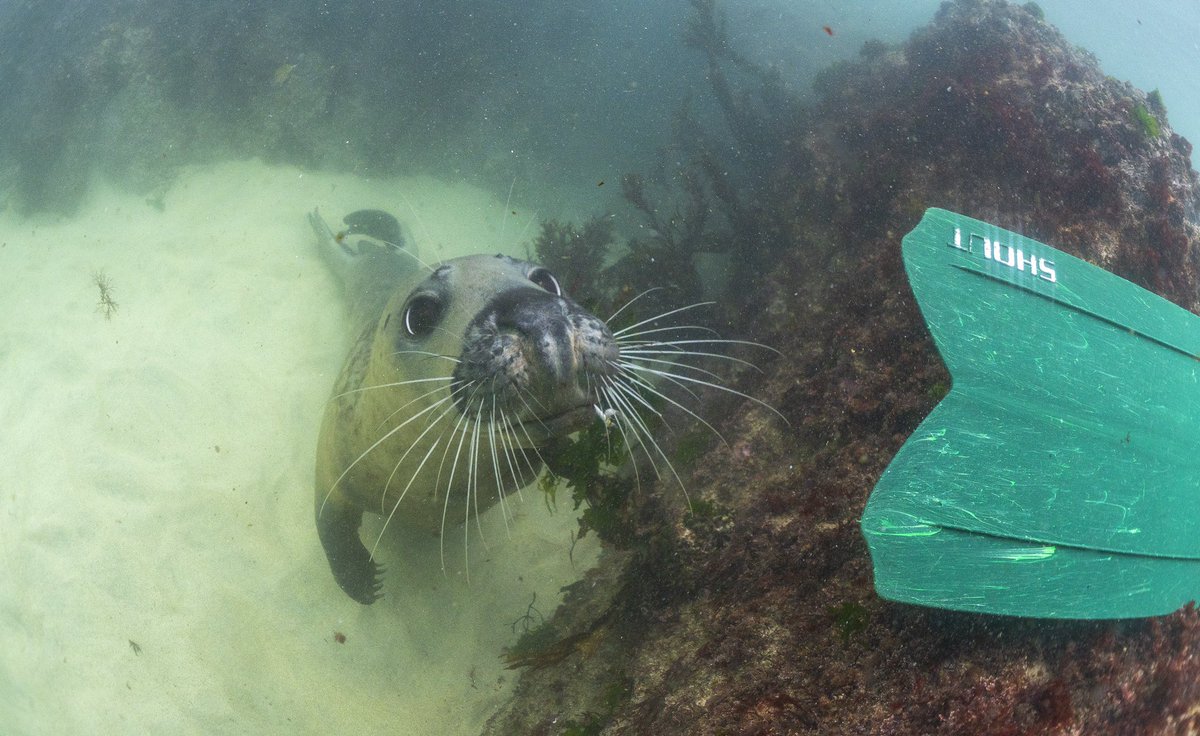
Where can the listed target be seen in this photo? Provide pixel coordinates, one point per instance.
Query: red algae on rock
(767, 622)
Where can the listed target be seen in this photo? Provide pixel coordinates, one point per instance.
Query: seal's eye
(546, 280)
(422, 315)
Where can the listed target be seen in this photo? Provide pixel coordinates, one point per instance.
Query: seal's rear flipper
(1060, 476)
(377, 224)
(352, 566)
(366, 267)
(372, 242)
(337, 254)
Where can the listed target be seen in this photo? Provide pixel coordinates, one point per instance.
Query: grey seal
(457, 375)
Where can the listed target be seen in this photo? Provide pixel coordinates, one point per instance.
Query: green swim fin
(1060, 477)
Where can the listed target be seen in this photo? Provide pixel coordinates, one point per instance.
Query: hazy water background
(556, 95)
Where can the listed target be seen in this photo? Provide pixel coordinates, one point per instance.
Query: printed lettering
(1009, 260)
(1005, 255)
(1031, 261)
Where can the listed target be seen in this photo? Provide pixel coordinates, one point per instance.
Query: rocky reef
(752, 610)
(134, 90)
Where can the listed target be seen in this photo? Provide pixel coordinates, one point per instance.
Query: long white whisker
(521, 395)
(631, 301)
(417, 216)
(628, 338)
(673, 363)
(607, 398)
(629, 415)
(512, 434)
(473, 486)
(630, 375)
(506, 447)
(656, 343)
(378, 442)
(677, 310)
(450, 358)
(496, 468)
(389, 385)
(411, 402)
(396, 505)
(476, 386)
(646, 385)
(472, 496)
(532, 445)
(525, 229)
(717, 386)
(645, 431)
(504, 214)
(614, 382)
(432, 424)
(450, 483)
(681, 353)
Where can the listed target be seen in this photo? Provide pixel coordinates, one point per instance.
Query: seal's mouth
(542, 429)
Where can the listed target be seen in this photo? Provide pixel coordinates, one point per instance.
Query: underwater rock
(136, 90)
(761, 618)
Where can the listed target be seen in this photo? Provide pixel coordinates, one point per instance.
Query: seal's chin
(543, 429)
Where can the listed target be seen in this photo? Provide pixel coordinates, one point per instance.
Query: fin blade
(1070, 424)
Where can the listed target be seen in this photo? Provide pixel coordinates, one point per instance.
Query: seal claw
(352, 566)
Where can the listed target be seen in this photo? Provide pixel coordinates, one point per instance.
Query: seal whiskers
(676, 377)
(449, 485)
(650, 355)
(504, 512)
(622, 394)
(395, 506)
(393, 384)
(400, 462)
(377, 443)
(461, 375)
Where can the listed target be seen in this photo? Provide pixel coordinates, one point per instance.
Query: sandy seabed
(162, 572)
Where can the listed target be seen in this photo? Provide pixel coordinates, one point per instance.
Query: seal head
(533, 342)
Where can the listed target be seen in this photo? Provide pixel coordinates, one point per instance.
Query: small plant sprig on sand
(107, 305)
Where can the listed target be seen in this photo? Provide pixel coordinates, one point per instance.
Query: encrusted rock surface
(759, 616)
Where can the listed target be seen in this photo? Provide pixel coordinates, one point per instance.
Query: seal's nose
(541, 319)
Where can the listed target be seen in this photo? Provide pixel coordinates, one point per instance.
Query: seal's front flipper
(352, 566)
(1060, 476)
